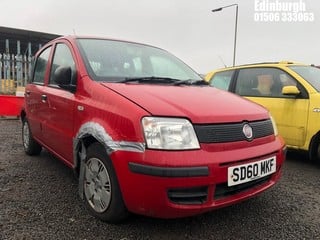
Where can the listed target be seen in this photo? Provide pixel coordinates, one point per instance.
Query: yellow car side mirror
(290, 90)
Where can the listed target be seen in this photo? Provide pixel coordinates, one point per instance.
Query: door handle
(43, 98)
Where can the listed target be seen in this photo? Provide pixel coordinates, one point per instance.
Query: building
(11, 38)
(17, 46)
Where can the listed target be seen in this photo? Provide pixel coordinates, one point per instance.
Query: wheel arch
(88, 134)
(23, 115)
(92, 132)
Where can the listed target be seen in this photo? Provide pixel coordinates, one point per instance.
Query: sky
(267, 30)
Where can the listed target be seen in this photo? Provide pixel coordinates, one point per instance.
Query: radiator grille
(220, 133)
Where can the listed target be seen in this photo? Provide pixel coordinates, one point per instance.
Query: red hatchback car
(144, 132)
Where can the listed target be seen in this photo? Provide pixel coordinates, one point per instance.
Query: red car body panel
(117, 108)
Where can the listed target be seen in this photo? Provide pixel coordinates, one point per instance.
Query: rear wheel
(102, 193)
(31, 147)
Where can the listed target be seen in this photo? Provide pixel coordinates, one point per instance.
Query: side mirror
(64, 78)
(290, 90)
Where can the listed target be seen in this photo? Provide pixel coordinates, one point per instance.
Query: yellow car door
(289, 109)
(291, 116)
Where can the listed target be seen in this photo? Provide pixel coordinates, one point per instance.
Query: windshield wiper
(191, 82)
(151, 79)
(167, 80)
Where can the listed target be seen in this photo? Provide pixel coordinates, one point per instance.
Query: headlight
(169, 133)
(275, 129)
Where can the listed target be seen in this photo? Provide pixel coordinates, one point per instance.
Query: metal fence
(15, 69)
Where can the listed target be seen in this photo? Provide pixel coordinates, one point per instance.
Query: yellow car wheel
(314, 152)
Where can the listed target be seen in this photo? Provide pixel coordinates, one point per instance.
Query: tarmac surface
(39, 200)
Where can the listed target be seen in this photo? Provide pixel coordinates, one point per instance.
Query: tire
(101, 189)
(314, 152)
(31, 147)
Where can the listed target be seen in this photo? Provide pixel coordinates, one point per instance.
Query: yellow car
(291, 92)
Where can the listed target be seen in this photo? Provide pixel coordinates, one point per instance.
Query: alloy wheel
(97, 185)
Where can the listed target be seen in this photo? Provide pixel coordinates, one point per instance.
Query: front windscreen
(310, 74)
(114, 61)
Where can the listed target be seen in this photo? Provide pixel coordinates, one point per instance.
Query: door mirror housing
(64, 77)
(290, 90)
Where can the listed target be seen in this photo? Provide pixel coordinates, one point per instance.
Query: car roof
(263, 64)
(75, 37)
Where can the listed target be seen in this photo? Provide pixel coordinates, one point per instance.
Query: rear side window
(41, 66)
(222, 80)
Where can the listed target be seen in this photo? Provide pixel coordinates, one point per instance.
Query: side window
(222, 80)
(62, 57)
(41, 66)
(267, 82)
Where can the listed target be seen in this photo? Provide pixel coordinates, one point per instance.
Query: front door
(60, 118)
(289, 112)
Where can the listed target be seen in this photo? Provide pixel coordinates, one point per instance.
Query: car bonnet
(200, 104)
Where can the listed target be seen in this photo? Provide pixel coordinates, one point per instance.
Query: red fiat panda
(144, 132)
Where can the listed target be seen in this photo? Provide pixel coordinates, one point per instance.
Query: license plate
(251, 171)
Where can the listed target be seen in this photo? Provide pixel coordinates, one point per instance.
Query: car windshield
(119, 61)
(310, 74)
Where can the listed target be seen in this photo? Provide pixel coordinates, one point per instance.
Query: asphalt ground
(39, 200)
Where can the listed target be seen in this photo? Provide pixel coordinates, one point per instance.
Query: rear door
(289, 112)
(35, 106)
(58, 132)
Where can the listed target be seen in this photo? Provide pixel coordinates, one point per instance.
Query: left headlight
(169, 133)
(275, 129)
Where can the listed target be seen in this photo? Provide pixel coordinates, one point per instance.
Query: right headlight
(275, 129)
(169, 133)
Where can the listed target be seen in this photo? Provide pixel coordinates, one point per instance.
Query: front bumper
(172, 184)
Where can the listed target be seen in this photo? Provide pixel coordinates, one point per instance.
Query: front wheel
(314, 152)
(102, 193)
(31, 147)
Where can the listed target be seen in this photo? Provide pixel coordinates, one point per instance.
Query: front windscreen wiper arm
(151, 79)
(165, 80)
